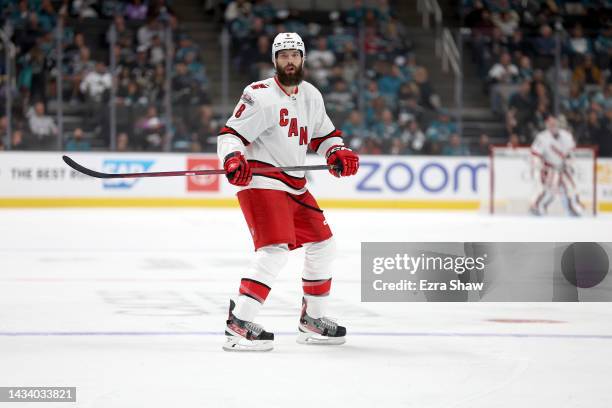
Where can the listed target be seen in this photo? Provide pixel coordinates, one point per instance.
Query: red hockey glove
(237, 169)
(346, 161)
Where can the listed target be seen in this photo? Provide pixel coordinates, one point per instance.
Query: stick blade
(83, 169)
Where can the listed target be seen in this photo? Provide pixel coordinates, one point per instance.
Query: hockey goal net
(516, 184)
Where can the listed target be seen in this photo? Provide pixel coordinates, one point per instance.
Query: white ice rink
(129, 307)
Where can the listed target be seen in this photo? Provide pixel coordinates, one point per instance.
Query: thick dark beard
(290, 79)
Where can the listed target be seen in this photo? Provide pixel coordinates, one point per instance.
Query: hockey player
(274, 123)
(552, 154)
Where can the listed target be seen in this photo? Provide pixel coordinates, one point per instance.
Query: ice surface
(128, 305)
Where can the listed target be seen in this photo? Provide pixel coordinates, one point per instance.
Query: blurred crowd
(135, 32)
(383, 101)
(538, 54)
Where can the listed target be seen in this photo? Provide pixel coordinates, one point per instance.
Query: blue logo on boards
(432, 177)
(124, 166)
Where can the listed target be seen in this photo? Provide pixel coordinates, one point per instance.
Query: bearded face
(289, 67)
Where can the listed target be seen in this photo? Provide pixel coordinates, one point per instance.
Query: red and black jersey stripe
(294, 182)
(316, 141)
(320, 287)
(228, 130)
(254, 289)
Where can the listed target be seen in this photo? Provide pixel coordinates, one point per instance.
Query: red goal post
(515, 183)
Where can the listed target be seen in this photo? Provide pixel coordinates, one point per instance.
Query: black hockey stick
(257, 170)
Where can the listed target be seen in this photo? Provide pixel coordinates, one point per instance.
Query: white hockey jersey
(554, 151)
(273, 128)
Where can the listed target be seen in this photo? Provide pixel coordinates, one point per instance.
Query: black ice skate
(323, 331)
(245, 336)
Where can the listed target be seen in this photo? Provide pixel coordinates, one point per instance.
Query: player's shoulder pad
(256, 93)
(311, 89)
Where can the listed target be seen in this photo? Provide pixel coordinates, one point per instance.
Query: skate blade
(241, 344)
(317, 339)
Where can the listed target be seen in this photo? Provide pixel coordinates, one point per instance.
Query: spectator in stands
(545, 46)
(482, 147)
(518, 46)
(236, 9)
(514, 140)
(592, 131)
(157, 51)
(136, 10)
(320, 60)
(150, 130)
(455, 146)
(146, 33)
(195, 68)
(96, 84)
(340, 101)
(156, 88)
(20, 17)
(504, 71)
(84, 9)
(33, 75)
(181, 85)
(521, 106)
(386, 128)
(578, 45)
(77, 142)
(185, 46)
(390, 82)
(479, 19)
(399, 147)
(204, 129)
(525, 70)
(507, 21)
(82, 65)
(428, 99)
(603, 97)
(18, 140)
(577, 101)
(412, 107)
(123, 142)
(259, 61)
(539, 117)
(130, 95)
(354, 130)
(587, 73)
(42, 127)
(408, 66)
(603, 46)
(121, 30)
(440, 129)
(356, 13)
(411, 134)
(47, 16)
(371, 146)
(541, 93)
(562, 78)
(408, 90)
(141, 70)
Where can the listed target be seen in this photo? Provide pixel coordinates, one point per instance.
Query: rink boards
(37, 179)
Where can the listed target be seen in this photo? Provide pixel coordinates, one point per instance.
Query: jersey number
(240, 110)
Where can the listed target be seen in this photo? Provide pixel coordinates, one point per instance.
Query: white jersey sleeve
(325, 134)
(537, 147)
(248, 121)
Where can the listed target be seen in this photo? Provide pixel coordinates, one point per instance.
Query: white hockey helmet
(287, 41)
